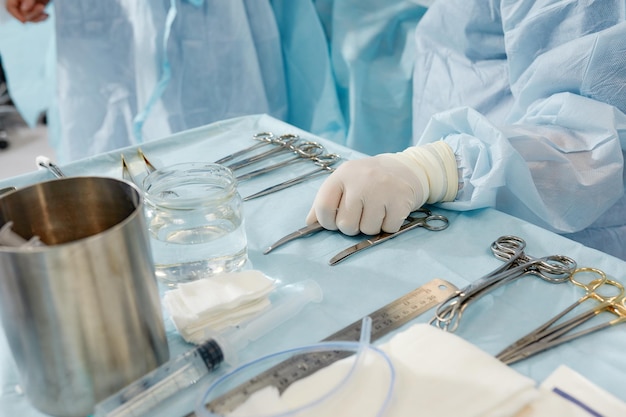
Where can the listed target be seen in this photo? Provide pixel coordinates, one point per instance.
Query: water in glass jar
(190, 253)
(195, 222)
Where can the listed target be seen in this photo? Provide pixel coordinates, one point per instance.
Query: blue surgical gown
(531, 96)
(131, 71)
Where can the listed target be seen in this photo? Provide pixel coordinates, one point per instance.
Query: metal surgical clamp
(554, 269)
(303, 232)
(285, 143)
(303, 152)
(551, 334)
(419, 218)
(266, 138)
(324, 167)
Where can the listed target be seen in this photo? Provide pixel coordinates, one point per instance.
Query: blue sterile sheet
(371, 279)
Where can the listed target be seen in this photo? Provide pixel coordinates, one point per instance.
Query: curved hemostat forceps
(283, 143)
(551, 334)
(264, 138)
(555, 269)
(422, 217)
(324, 166)
(303, 151)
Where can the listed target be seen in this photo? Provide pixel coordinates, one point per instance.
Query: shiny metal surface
(422, 217)
(82, 315)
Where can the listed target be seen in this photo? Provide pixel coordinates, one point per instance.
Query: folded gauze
(213, 304)
(437, 374)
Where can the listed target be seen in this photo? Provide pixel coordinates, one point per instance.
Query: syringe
(179, 373)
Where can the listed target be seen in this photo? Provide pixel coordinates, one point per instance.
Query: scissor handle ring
(432, 222)
(594, 283)
(286, 141)
(555, 269)
(325, 165)
(609, 298)
(264, 137)
(308, 150)
(508, 247)
(326, 159)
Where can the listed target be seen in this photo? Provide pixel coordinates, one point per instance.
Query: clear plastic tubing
(358, 348)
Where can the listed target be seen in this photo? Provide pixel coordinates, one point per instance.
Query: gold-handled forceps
(609, 295)
(554, 268)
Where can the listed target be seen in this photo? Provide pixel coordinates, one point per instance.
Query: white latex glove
(377, 193)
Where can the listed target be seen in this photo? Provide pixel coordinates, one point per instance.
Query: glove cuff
(437, 160)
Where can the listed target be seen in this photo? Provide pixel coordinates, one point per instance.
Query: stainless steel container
(82, 315)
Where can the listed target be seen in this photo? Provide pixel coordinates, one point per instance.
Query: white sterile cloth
(212, 304)
(437, 374)
(9, 238)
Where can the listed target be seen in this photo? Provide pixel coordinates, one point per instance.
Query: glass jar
(195, 219)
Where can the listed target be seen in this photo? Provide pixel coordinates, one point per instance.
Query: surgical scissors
(550, 334)
(421, 217)
(554, 269)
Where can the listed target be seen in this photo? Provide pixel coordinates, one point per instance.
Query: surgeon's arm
(557, 160)
(377, 193)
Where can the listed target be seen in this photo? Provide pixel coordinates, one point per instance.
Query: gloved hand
(379, 192)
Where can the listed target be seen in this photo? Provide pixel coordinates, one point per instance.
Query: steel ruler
(384, 320)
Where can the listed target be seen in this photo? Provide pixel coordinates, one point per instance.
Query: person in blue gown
(516, 104)
(132, 71)
(513, 104)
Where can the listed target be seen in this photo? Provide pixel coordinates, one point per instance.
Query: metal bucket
(82, 315)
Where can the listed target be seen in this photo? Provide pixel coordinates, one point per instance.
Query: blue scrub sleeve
(556, 158)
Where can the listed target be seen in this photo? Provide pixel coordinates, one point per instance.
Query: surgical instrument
(7, 189)
(554, 269)
(302, 232)
(384, 320)
(589, 288)
(285, 143)
(149, 167)
(419, 218)
(551, 334)
(617, 308)
(126, 174)
(266, 138)
(324, 167)
(303, 152)
(43, 162)
(185, 370)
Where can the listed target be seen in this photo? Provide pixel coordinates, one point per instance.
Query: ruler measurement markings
(384, 320)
